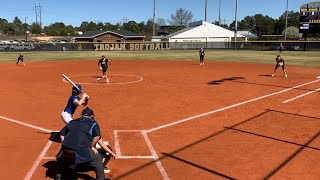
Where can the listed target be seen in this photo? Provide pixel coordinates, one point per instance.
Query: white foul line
(126, 131)
(228, 107)
(26, 124)
(37, 162)
(156, 158)
(135, 157)
(111, 83)
(313, 91)
(116, 143)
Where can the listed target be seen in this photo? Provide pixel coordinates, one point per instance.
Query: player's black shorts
(201, 58)
(280, 64)
(20, 59)
(104, 69)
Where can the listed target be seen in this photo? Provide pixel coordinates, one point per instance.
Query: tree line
(258, 24)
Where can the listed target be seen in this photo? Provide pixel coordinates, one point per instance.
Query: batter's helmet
(75, 91)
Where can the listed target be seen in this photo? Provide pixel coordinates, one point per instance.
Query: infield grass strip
(299, 58)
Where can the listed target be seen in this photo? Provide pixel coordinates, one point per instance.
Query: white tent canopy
(202, 31)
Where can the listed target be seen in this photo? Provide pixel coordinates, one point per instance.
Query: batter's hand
(85, 95)
(100, 68)
(86, 100)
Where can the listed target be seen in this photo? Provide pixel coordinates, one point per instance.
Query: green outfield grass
(299, 58)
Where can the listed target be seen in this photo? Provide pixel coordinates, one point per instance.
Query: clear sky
(72, 12)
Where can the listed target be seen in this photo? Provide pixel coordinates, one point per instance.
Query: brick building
(110, 36)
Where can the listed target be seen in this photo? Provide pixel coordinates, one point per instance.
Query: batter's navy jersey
(71, 107)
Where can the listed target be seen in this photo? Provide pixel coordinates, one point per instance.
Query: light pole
(154, 18)
(219, 12)
(285, 31)
(25, 28)
(205, 12)
(236, 26)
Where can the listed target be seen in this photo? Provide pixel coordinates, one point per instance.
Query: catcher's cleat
(106, 170)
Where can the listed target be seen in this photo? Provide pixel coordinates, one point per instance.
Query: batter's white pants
(66, 117)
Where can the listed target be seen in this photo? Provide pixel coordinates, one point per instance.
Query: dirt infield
(168, 119)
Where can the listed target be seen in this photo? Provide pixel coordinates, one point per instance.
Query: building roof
(203, 29)
(123, 33)
(179, 32)
(248, 34)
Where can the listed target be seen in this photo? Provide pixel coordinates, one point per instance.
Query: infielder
(20, 58)
(280, 62)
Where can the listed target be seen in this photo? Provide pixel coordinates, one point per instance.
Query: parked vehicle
(286, 47)
(4, 47)
(21, 47)
(294, 47)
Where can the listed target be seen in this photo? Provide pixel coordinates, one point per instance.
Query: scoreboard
(310, 18)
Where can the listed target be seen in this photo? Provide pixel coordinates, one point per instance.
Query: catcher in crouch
(104, 64)
(280, 62)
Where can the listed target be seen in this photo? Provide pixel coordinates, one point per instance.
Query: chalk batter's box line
(152, 150)
(118, 149)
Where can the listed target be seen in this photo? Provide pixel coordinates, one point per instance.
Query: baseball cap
(87, 112)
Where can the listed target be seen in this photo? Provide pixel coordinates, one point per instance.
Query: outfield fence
(144, 46)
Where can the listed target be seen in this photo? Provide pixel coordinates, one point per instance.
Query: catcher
(105, 151)
(280, 62)
(103, 65)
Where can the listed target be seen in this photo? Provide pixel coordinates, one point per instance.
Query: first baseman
(280, 62)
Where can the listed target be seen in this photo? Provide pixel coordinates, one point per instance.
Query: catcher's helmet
(75, 91)
(87, 112)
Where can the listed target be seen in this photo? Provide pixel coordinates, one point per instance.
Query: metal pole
(154, 17)
(285, 31)
(205, 12)
(219, 12)
(25, 28)
(236, 26)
